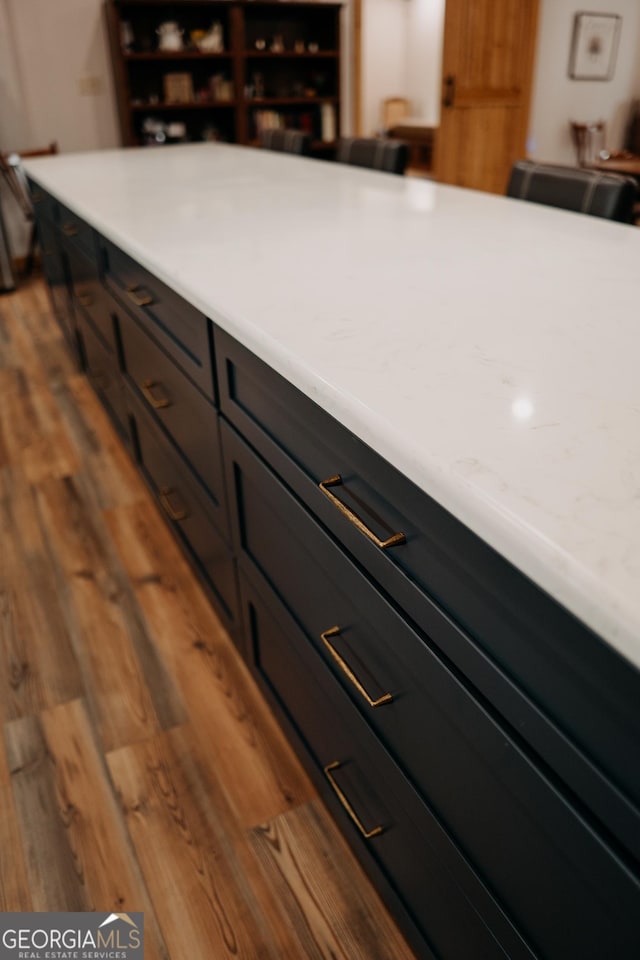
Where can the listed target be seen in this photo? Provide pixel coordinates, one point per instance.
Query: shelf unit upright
(280, 66)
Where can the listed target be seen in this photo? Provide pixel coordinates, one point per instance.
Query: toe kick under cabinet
(476, 744)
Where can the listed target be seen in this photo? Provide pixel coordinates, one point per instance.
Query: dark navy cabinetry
(476, 743)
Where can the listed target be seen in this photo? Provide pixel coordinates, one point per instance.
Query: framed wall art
(594, 46)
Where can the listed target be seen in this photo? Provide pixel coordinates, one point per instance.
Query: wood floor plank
(204, 902)
(38, 667)
(55, 879)
(114, 477)
(15, 895)
(319, 889)
(131, 693)
(56, 760)
(45, 450)
(223, 703)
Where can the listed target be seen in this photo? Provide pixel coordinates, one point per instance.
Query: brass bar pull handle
(69, 229)
(367, 834)
(346, 669)
(347, 512)
(168, 507)
(156, 402)
(140, 299)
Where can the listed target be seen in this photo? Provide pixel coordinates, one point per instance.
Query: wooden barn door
(487, 69)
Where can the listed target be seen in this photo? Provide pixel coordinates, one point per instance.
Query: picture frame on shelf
(594, 46)
(178, 87)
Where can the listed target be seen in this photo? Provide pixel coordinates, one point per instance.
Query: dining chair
(286, 141)
(12, 171)
(388, 155)
(593, 192)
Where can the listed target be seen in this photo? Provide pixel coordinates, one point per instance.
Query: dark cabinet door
(55, 267)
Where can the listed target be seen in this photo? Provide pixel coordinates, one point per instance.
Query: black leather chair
(598, 194)
(286, 141)
(388, 155)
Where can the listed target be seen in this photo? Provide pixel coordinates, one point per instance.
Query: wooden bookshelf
(295, 83)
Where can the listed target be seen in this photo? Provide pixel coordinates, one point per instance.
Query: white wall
(58, 46)
(384, 57)
(557, 99)
(425, 30)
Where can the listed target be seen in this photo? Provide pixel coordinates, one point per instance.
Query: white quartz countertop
(488, 348)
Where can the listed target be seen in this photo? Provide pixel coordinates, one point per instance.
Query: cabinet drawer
(572, 697)
(486, 789)
(77, 232)
(104, 375)
(91, 297)
(178, 327)
(187, 416)
(55, 271)
(190, 512)
(415, 856)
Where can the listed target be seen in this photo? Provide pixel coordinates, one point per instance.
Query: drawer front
(185, 414)
(405, 841)
(546, 673)
(178, 327)
(104, 375)
(91, 297)
(55, 271)
(450, 746)
(188, 510)
(77, 232)
(44, 204)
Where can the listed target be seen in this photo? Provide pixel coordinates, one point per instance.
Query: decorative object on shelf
(220, 88)
(178, 87)
(594, 46)
(258, 86)
(210, 133)
(261, 44)
(213, 40)
(313, 47)
(127, 37)
(170, 36)
(195, 37)
(176, 132)
(277, 44)
(298, 46)
(153, 132)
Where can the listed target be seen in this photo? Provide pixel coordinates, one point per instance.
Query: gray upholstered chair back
(286, 141)
(388, 155)
(593, 192)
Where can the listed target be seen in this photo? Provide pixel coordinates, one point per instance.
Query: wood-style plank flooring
(140, 768)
